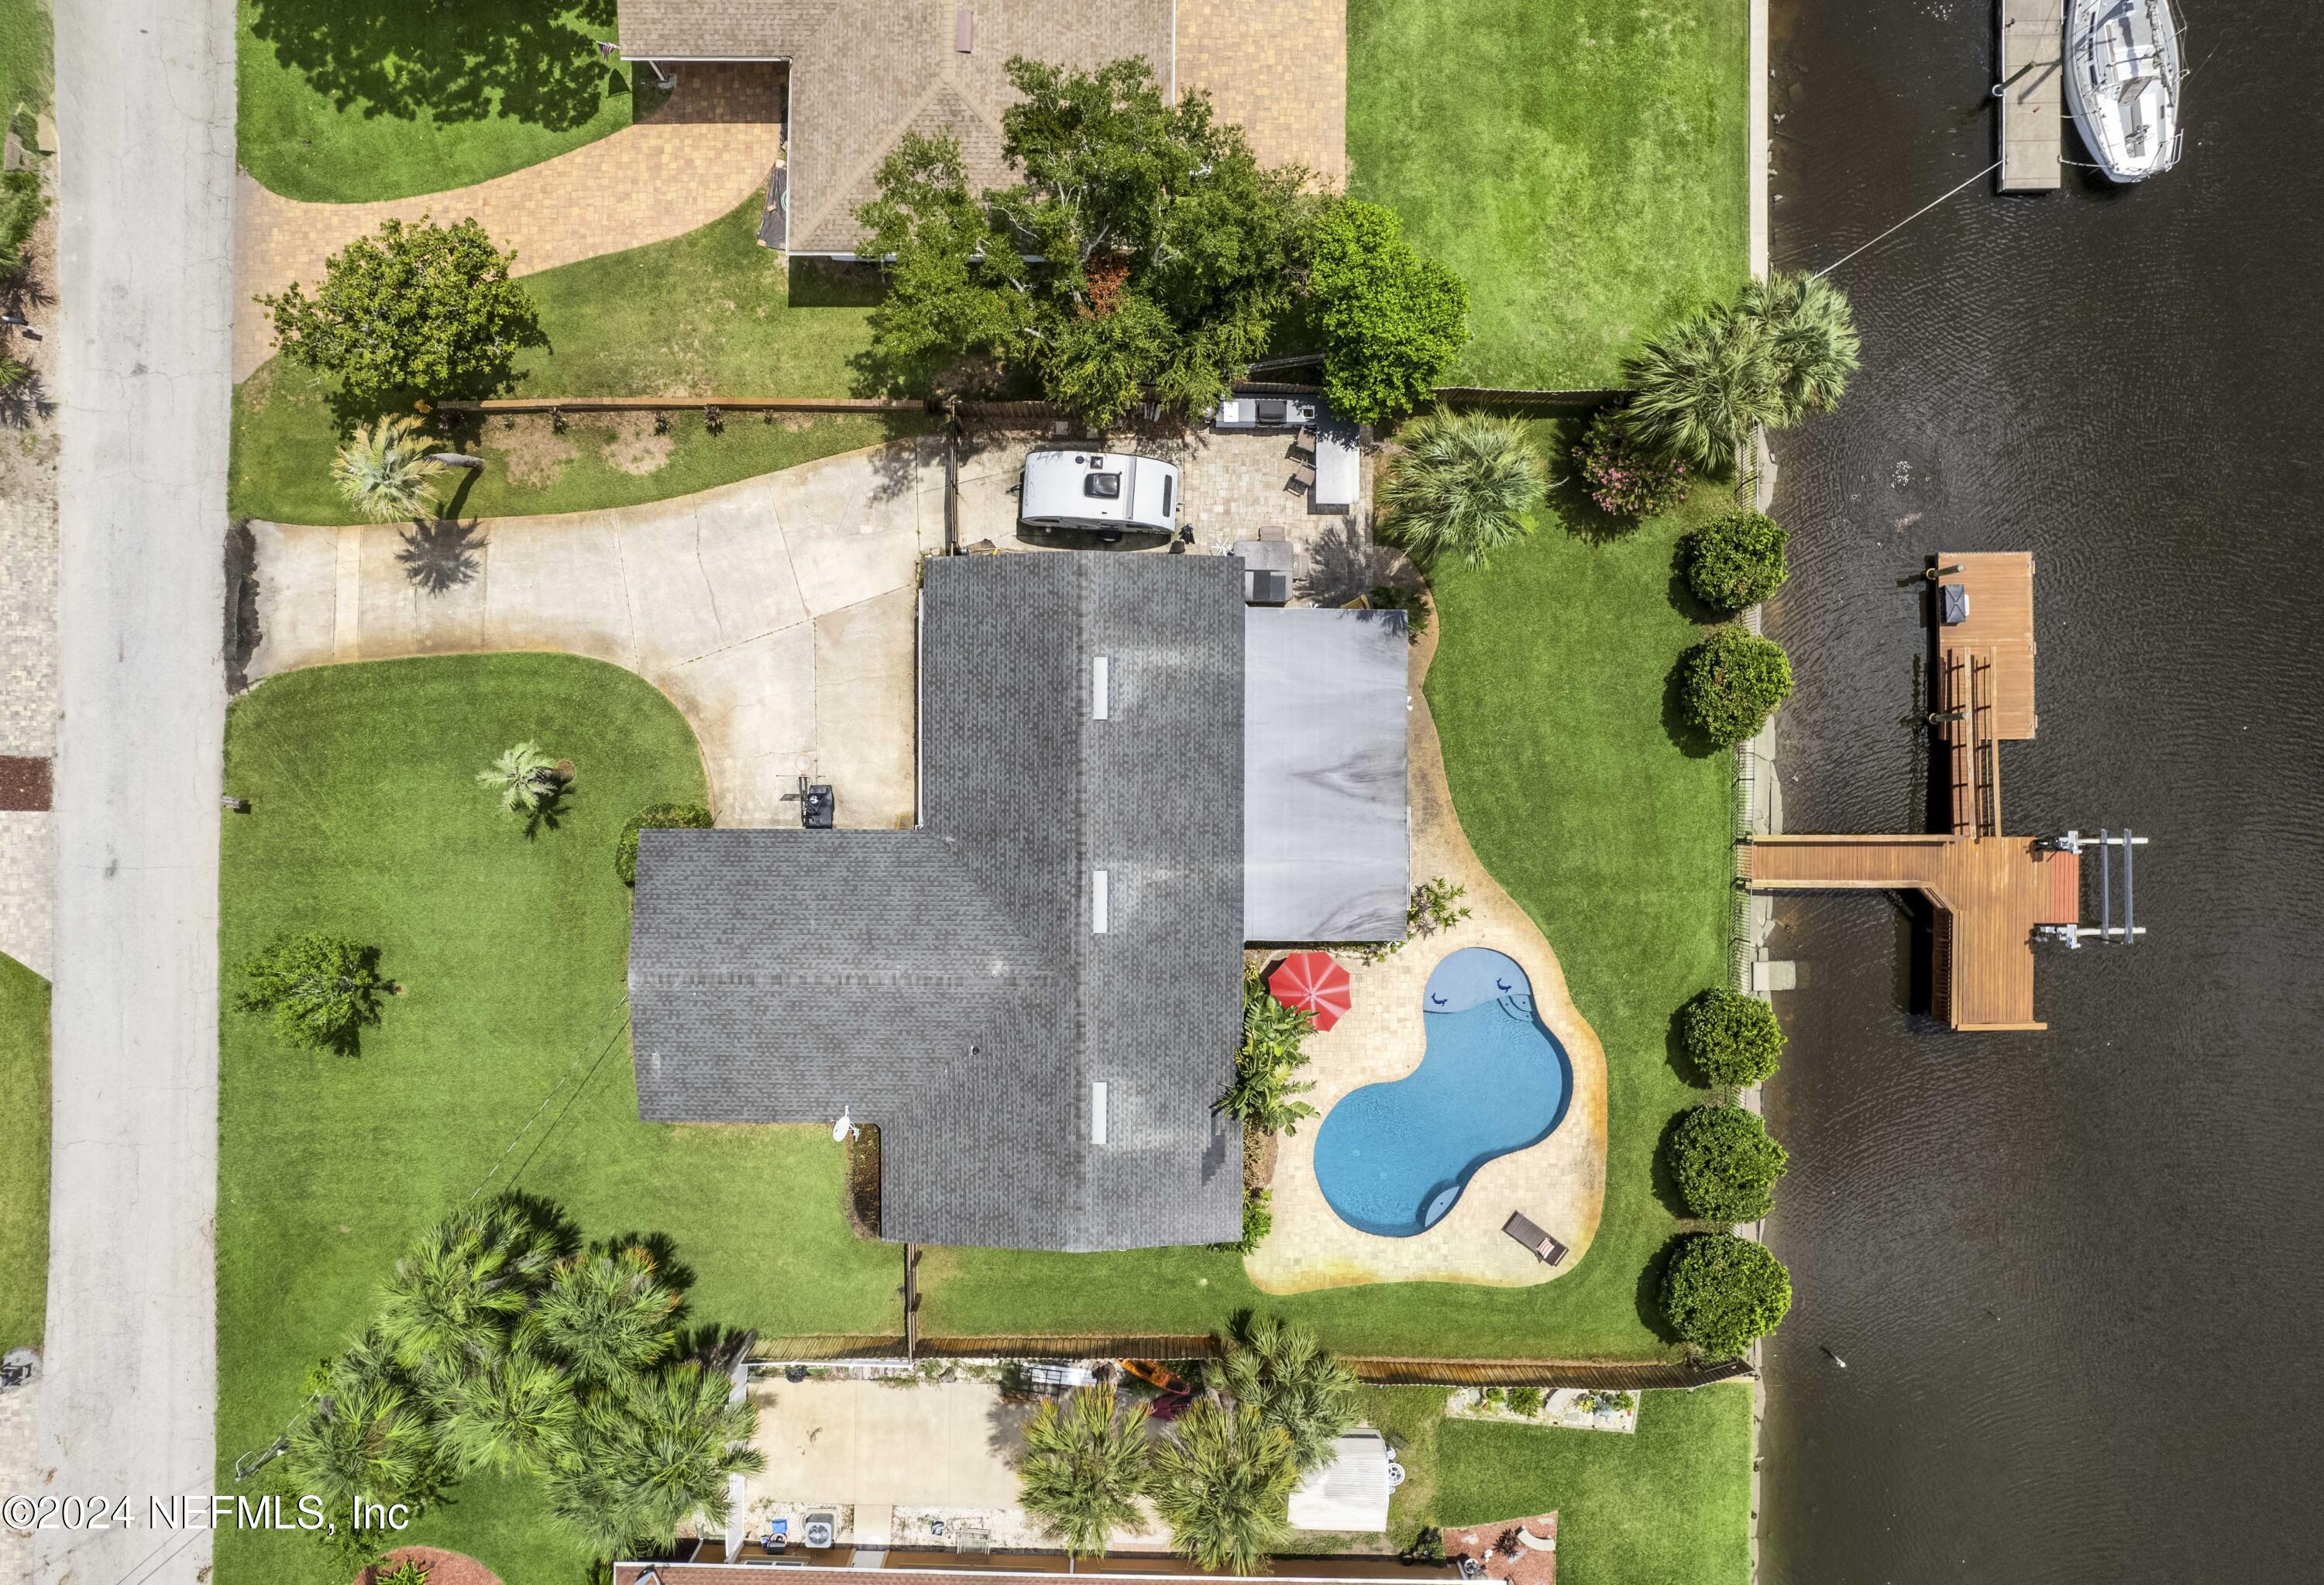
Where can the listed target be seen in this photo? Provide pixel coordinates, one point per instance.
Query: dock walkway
(2033, 94)
(1990, 891)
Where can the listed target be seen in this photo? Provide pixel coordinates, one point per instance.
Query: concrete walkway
(705, 150)
(145, 121)
(780, 613)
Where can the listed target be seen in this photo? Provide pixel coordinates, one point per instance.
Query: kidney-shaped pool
(1392, 1159)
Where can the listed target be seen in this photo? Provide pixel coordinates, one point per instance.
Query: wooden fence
(997, 414)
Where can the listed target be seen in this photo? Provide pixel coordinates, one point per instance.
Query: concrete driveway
(779, 614)
(145, 124)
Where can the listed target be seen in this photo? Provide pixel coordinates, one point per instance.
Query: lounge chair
(1303, 479)
(1545, 1248)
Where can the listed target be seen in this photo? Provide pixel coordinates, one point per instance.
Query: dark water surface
(2075, 1274)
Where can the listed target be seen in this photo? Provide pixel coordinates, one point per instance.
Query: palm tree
(1287, 1376)
(384, 468)
(363, 1437)
(1084, 1465)
(525, 777)
(1701, 388)
(457, 1295)
(1224, 1485)
(1463, 486)
(516, 1412)
(652, 1456)
(605, 1313)
(1811, 336)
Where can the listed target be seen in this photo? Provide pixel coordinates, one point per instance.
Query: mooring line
(1907, 220)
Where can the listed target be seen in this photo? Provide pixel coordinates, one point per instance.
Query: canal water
(2075, 1276)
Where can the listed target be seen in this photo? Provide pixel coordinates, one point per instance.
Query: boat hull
(2122, 83)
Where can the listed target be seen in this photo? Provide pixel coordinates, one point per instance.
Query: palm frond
(1465, 486)
(384, 470)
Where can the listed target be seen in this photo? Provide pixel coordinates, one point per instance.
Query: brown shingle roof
(864, 72)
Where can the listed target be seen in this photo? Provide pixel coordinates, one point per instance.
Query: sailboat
(2122, 79)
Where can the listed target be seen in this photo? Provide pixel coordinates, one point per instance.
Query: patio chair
(1304, 442)
(1303, 479)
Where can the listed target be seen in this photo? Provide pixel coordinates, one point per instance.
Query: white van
(1106, 491)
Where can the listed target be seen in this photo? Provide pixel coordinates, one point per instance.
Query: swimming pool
(1392, 1159)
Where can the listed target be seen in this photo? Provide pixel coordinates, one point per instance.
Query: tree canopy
(1736, 560)
(321, 990)
(1720, 1292)
(1733, 1039)
(1085, 1462)
(1462, 486)
(1142, 248)
(1391, 322)
(1732, 682)
(1725, 1164)
(417, 311)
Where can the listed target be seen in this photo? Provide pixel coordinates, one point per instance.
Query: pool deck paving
(1560, 1183)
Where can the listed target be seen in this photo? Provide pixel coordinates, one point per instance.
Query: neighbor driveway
(780, 613)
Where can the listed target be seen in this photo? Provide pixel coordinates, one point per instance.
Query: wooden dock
(1985, 679)
(2033, 94)
(1990, 891)
(1988, 894)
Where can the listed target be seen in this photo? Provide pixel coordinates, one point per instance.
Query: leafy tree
(1624, 477)
(1732, 1039)
(526, 777)
(453, 1304)
(606, 1314)
(1725, 1164)
(1464, 486)
(654, 818)
(1702, 387)
(1391, 322)
(1222, 1483)
(1732, 682)
(1736, 560)
(1085, 1462)
(322, 989)
(384, 468)
(651, 1456)
(1263, 1095)
(513, 1413)
(364, 1436)
(1811, 336)
(1281, 1370)
(1141, 250)
(1721, 1291)
(417, 311)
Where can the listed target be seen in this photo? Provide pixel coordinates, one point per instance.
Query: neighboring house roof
(863, 72)
(1326, 849)
(947, 983)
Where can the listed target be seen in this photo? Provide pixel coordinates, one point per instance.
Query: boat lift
(2107, 842)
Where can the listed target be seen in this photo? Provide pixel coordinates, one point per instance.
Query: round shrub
(1725, 1164)
(1737, 561)
(1720, 1292)
(1732, 1039)
(1730, 682)
(661, 817)
(1624, 478)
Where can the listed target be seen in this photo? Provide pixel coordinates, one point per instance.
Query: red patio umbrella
(1314, 984)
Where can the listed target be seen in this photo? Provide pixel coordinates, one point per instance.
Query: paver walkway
(779, 613)
(1560, 1183)
(1281, 70)
(704, 151)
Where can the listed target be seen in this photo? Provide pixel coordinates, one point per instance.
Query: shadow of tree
(1650, 1291)
(440, 556)
(1690, 740)
(532, 62)
(1665, 1181)
(25, 399)
(1341, 565)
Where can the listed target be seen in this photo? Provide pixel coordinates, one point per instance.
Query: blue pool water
(1392, 1159)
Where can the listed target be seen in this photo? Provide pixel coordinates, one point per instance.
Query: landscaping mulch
(444, 1568)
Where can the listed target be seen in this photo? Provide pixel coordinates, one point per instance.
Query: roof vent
(1097, 1112)
(1100, 700)
(964, 31)
(1097, 902)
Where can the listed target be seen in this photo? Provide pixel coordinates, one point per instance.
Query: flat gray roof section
(948, 983)
(1326, 849)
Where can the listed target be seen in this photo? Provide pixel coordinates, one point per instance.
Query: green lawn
(1582, 164)
(24, 1155)
(346, 100)
(708, 313)
(1548, 690)
(26, 56)
(366, 820)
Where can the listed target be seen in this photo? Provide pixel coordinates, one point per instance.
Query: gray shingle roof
(863, 72)
(946, 983)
